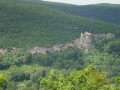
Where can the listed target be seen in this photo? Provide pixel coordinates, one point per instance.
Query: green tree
(117, 83)
(87, 79)
(3, 81)
(113, 47)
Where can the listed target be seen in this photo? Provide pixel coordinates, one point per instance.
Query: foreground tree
(87, 79)
(117, 83)
(3, 81)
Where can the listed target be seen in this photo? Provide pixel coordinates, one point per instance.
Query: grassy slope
(29, 24)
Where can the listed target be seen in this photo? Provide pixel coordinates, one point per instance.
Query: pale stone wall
(103, 36)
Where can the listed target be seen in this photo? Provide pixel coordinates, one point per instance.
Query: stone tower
(85, 41)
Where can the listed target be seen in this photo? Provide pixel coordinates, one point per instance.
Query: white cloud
(84, 2)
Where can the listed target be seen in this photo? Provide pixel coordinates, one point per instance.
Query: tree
(87, 79)
(113, 47)
(3, 81)
(117, 83)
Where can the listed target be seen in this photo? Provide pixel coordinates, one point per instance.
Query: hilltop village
(84, 42)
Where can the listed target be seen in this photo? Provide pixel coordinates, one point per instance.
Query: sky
(85, 2)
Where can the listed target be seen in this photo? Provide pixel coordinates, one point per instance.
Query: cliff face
(84, 42)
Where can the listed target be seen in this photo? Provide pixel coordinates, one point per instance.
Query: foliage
(87, 79)
(27, 75)
(117, 83)
(104, 12)
(3, 81)
(27, 25)
(100, 44)
(15, 59)
(104, 62)
(67, 59)
(113, 47)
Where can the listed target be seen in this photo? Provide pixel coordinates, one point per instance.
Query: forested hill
(26, 24)
(104, 12)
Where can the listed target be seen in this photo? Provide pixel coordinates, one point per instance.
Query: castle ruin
(85, 42)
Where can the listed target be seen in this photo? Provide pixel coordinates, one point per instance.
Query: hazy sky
(84, 2)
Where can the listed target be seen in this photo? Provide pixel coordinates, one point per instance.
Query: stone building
(58, 47)
(39, 50)
(2, 51)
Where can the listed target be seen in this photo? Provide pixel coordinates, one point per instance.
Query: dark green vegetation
(27, 25)
(3, 81)
(104, 12)
(25, 71)
(87, 79)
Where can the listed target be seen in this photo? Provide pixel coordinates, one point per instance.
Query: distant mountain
(26, 24)
(104, 12)
(107, 4)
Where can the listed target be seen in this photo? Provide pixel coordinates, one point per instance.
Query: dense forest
(104, 11)
(26, 25)
(27, 72)
(30, 24)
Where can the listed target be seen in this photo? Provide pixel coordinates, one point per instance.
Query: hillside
(26, 25)
(71, 64)
(104, 12)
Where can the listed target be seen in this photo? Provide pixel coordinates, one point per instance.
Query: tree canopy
(87, 79)
(3, 81)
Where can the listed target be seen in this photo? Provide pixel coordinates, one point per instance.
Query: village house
(39, 50)
(2, 51)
